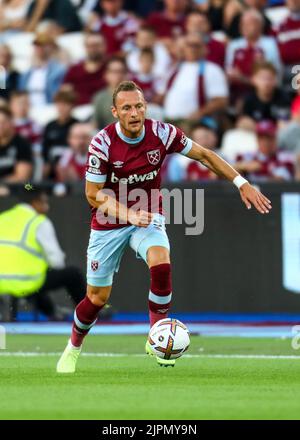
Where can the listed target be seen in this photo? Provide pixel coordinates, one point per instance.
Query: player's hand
(252, 196)
(139, 218)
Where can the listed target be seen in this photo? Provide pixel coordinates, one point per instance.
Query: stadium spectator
(117, 26)
(9, 76)
(46, 74)
(13, 17)
(72, 164)
(115, 72)
(198, 87)
(288, 35)
(266, 101)
(244, 52)
(15, 151)
(197, 21)
(27, 128)
(268, 163)
(146, 79)
(57, 131)
(169, 23)
(181, 168)
(226, 15)
(61, 12)
(289, 135)
(86, 77)
(146, 39)
(41, 264)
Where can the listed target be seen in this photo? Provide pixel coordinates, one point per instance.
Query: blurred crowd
(225, 71)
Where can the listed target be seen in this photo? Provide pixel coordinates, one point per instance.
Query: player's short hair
(264, 65)
(125, 86)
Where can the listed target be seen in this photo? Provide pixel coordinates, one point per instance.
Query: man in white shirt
(198, 87)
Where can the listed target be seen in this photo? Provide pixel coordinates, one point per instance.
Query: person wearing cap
(268, 162)
(45, 76)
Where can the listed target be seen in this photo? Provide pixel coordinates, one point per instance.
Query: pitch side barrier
(238, 261)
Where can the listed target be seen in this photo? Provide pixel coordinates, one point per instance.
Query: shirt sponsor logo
(153, 157)
(134, 178)
(94, 161)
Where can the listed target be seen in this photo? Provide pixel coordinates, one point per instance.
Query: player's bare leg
(158, 260)
(85, 316)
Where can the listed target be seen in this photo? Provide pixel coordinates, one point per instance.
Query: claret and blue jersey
(115, 159)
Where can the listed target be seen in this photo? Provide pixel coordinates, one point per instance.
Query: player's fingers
(259, 205)
(267, 202)
(247, 202)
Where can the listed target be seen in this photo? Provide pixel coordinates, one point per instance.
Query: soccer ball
(169, 338)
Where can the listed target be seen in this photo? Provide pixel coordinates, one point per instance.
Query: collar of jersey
(127, 139)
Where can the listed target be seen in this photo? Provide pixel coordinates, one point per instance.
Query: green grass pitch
(131, 386)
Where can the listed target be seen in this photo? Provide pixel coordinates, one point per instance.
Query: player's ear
(114, 111)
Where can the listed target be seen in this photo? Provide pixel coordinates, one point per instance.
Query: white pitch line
(197, 356)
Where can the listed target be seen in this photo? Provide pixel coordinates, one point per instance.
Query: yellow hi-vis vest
(23, 265)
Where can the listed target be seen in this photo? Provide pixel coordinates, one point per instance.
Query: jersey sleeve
(178, 142)
(97, 161)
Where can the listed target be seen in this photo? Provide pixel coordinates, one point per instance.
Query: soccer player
(126, 155)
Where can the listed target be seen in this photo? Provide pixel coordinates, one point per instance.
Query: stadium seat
(73, 43)
(276, 15)
(83, 112)
(237, 141)
(43, 115)
(155, 111)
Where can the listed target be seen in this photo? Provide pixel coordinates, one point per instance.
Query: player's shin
(85, 316)
(160, 293)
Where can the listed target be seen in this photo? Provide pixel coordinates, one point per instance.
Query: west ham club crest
(153, 157)
(94, 265)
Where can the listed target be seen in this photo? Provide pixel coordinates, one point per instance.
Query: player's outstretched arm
(249, 194)
(98, 198)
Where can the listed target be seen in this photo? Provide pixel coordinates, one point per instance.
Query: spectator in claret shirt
(146, 79)
(27, 128)
(197, 21)
(55, 139)
(266, 101)
(15, 151)
(72, 164)
(243, 53)
(117, 26)
(86, 77)
(169, 23)
(268, 163)
(288, 34)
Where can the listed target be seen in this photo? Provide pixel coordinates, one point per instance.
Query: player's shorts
(106, 248)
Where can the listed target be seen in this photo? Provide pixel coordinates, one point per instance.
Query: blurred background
(227, 73)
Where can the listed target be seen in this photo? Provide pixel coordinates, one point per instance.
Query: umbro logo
(118, 164)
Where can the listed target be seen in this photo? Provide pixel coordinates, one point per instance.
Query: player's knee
(98, 295)
(161, 277)
(158, 255)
